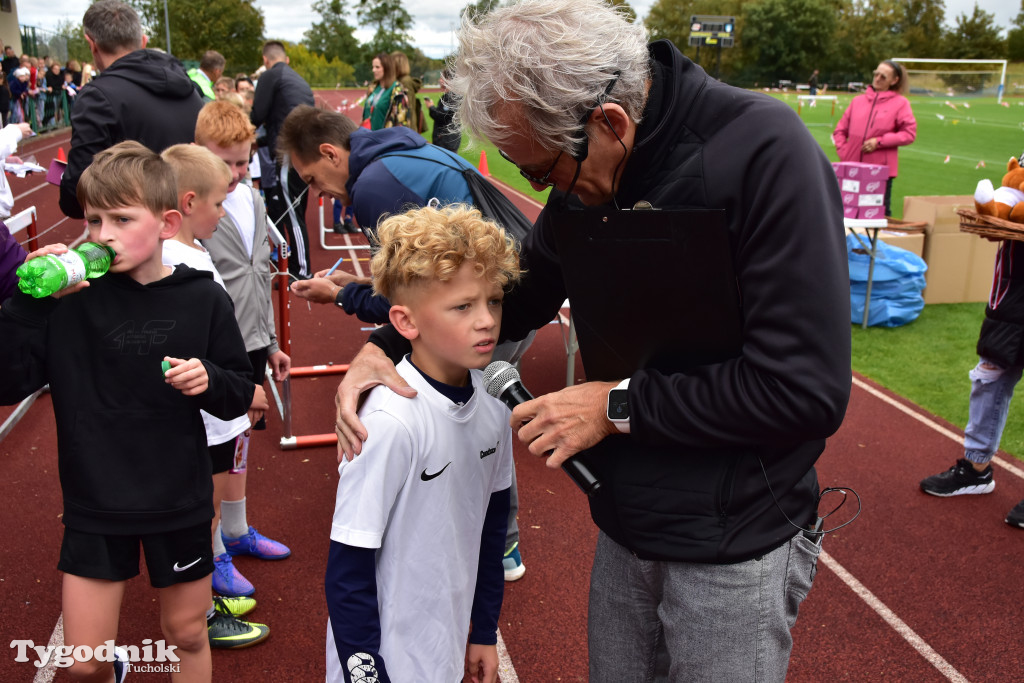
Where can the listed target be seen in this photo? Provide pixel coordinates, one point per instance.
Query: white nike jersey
(419, 492)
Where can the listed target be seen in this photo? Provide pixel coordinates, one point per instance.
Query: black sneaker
(960, 479)
(229, 633)
(1016, 516)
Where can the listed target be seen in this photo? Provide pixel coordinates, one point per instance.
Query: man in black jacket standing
(140, 95)
(278, 91)
(708, 507)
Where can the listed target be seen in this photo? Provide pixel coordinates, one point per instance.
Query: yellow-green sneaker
(234, 607)
(230, 633)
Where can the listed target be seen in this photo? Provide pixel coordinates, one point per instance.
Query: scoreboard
(713, 30)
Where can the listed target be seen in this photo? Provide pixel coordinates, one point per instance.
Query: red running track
(917, 589)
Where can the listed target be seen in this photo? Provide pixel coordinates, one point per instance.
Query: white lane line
(898, 625)
(506, 672)
(46, 673)
(1009, 467)
(28, 192)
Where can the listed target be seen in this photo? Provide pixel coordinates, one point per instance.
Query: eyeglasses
(543, 180)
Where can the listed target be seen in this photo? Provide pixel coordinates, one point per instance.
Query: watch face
(618, 405)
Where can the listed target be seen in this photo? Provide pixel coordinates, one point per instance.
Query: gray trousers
(684, 621)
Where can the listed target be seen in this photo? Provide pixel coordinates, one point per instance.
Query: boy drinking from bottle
(431, 490)
(134, 465)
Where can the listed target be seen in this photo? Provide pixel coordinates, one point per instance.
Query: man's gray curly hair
(552, 58)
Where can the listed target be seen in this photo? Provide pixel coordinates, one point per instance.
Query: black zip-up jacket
(279, 90)
(1002, 331)
(131, 449)
(687, 483)
(144, 96)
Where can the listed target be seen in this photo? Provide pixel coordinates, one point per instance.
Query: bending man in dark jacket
(278, 91)
(140, 95)
(700, 566)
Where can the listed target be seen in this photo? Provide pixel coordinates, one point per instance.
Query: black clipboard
(649, 289)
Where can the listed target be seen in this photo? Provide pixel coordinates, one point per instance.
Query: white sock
(232, 518)
(218, 542)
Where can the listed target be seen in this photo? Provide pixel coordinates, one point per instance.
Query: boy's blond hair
(129, 174)
(428, 244)
(196, 169)
(222, 123)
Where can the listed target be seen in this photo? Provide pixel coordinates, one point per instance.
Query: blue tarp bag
(896, 287)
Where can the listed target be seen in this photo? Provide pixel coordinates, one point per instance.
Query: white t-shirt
(419, 491)
(242, 212)
(217, 431)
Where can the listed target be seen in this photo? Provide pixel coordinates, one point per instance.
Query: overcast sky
(434, 18)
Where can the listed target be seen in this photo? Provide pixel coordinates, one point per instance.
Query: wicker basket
(989, 226)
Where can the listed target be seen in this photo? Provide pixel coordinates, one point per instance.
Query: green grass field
(928, 360)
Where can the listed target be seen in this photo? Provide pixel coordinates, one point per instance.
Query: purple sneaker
(256, 544)
(227, 580)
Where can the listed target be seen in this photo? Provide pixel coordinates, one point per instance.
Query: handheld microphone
(501, 380)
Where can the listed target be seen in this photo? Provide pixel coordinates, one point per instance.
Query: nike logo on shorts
(190, 564)
(427, 477)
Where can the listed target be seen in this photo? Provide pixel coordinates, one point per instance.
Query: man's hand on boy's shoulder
(56, 249)
(187, 376)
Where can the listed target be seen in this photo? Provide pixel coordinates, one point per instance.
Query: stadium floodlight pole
(167, 28)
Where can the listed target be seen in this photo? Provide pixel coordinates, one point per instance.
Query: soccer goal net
(955, 77)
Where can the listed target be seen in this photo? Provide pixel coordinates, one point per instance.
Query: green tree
(392, 23)
(975, 37)
(670, 20)
(333, 36)
(866, 33)
(72, 33)
(787, 38)
(1015, 38)
(318, 70)
(919, 22)
(233, 28)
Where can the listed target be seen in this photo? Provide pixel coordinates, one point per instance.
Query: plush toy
(1006, 202)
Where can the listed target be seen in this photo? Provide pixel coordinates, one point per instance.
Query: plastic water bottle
(46, 275)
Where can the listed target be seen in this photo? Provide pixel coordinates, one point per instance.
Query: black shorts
(172, 557)
(222, 456)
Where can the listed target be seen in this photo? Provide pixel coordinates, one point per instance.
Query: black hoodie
(144, 96)
(131, 449)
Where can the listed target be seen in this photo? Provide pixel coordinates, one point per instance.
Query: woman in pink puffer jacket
(877, 122)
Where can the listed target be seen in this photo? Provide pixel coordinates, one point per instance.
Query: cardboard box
(849, 198)
(870, 200)
(939, 212)
(850, 211)
(912, 243)
(847, 185)
(873, 186)
(871, 212)
(959, 268)
(859, 171)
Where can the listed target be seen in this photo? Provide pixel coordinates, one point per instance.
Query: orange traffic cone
(60, 155)
(483, 164)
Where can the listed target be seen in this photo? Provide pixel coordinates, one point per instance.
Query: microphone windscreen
(499, 375)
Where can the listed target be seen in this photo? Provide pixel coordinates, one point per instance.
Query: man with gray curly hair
(708, 506)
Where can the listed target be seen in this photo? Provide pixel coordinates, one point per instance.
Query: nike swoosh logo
(190, 564)
(427, 477)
